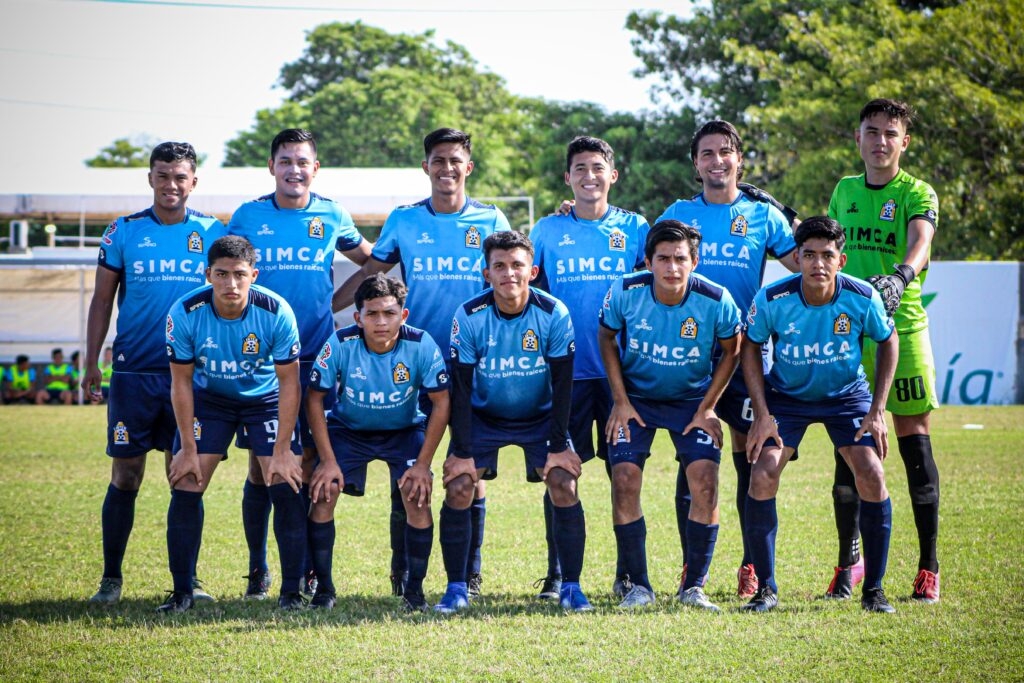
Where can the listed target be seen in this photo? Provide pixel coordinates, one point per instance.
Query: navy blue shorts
(305, 436)
(140, 417)
(842, 417)
(591, 403)
(490, 436)
(218, 419)
(355, 449)
(734, 407)
(670, 415)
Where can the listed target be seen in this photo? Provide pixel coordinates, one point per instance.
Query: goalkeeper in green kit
(890, 218)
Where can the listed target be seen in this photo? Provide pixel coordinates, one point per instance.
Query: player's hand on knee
(617, 427)
(323, 477)
(874, 424)
(707, 421)
(455, 467)
(417, 484)
(567, 460)
(763, 428)
(284, 468)
(184, 463)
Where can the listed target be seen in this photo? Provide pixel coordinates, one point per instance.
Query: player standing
(147, 261)
(890, 219)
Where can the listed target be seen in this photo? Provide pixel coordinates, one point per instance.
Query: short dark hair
(232, 247)
(290, 135)
(56, 351)
(443, 135)
(671, 230)
(585, 143)
(894, 109)
(506, 240)
(378, 286)
(170, 152)
(824, 227)
(22, 358)
(718, 127)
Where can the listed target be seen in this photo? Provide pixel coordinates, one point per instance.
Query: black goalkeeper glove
(759, 195)
(891, 286)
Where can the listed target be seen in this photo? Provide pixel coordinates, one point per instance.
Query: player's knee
(871, 483)
(844, 495)
(764, 484)
(625, 481)
(459, 493)
(256, 471)
(127, 473)
(924, 494)
(562, 487)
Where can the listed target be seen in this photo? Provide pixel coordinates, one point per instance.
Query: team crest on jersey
(739, 226)
(316, 228)
(617, 240)
(688, 330)
(120, 434)
(841, 325)
(109, 233)
(169, 329)
(195, 242)
(455, 330)
(197, 428)
(473, 240)
(888, 211)
(251, 344)
(752, 313)
(531, 342)
(400, 373)
(325, 353)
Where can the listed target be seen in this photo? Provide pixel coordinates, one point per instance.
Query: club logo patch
(169, 329)
(888, 211)
(841, 325)
(751, 314)
(108, 234)
(400, 373)
(617, 240)
(688, 330)
(251, 344)
(455, 329)
(120, 434)
(195, 242)
(738, 227)
(473, 240)
(325, 353)
(531, 342)
(316, 228)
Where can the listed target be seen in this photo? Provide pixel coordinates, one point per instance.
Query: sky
(75, 75)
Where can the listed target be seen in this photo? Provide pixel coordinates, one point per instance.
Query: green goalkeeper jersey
(875, 220)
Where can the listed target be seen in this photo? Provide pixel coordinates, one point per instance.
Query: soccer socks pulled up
(701, 539)
(739, 462)
(307, 558)
(321, 547)
(476, 541)
(570, 539)
(417, 549)
(184, 529)
(762, 527)
(554, 568)
(397, 528)
(117, 519)
(846, 504)
(290, 530)
(455, 537)
(923, 482)
(876, 529)
(256, 523)
(683, 500)
(632, 540)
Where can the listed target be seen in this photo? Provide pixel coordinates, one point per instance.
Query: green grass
(53, 476)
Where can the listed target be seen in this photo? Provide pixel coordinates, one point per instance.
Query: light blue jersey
(296, 250)
(817, 349)
(668, 349)
(736, 240)
(233, 358)
(442, 258)
(511, 379)
(157, 264)
(578, 261)
(379, 392)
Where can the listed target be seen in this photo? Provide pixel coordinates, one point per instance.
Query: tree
(121, 153)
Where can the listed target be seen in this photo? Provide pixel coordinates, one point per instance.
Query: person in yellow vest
(57, 376)
(19, 381)
(106, 370)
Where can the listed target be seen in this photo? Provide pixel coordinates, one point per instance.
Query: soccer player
(234, 354)
(579, 254)
(671, 320)
(57, 376)
(816, 320)
(740, 226)
(146, 261)
(512, 350)
(439, 244)
(19, 380)
(296, 233)
(890, 219)
(378, 366)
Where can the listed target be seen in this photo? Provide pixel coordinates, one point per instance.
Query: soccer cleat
(414, 602)
(638, 596)
(291, 601)
(621, 586)
(550, 586)
(844, 580)
(926, 587)
(455, 598)
(474, 584)
(398, 582)
(309, 584)
(694, 597)
(571, 597)
(176, 603)
(874, 600)
(765, 600)
(199, 593)
(746, 579)
(323, 600)
(109, 592)
(259, 584)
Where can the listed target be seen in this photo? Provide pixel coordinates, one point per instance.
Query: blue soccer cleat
(571, 597)
(455, 598)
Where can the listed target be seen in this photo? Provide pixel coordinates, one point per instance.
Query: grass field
(53, 476)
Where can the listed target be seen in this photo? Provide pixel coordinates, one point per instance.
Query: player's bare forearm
(919, 243)
(436, 424)
(753, 377)
(885, 370)
(288, 397)
(182, 403)
(345, 295)
(723, 372)
(318, 422)
(97, 325)
(609, 347)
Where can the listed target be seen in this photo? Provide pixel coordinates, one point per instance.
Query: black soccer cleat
(473, 584)
(176, 603)
(873, 600)
(398, 582)
(259, 584)
(765, 600)
(414, 602)
(323, 600)
(550, 587)
(291, 601)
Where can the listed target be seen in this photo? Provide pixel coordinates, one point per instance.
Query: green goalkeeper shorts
(913, 388)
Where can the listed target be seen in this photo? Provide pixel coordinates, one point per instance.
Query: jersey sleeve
(286, 335)
(728, 324)
(833, 204)
(178, 335)
(387, 248)
(780, 234)
(561, 337)
(324, 372)
(877, 324)
(500, 221)
(611, 310)
(111, 254)
(432, 367)
(924, 203)
(348, 236)
(463, 347)
(758, 326)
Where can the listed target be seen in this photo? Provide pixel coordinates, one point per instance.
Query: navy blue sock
(307, 558)
(256, 523)
(554, 568)
(455, 536)
(632, 539)
(398, 523)
(683, 499)
(199, 545)
(571, 539)
(702, 539)
(117, 519)
(739, 461)
(184, 528)
(875, 530)
(321, 547)
(476, 540)
(290, 530)
(417, 550)
(762, 527)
